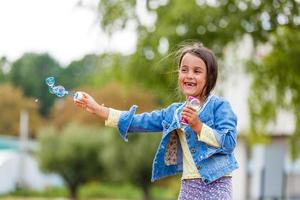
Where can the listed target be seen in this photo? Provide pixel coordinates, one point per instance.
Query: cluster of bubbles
(58, 90)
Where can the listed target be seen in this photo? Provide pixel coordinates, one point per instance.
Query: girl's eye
(184, 70)
(197, 71)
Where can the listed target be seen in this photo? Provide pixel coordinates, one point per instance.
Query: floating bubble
(36, 100)
(51, 90)
(50, 81)
(60, 91)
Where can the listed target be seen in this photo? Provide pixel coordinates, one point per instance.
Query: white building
(19, 169)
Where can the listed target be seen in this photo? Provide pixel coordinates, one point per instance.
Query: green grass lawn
(57, 198)
(95, 191)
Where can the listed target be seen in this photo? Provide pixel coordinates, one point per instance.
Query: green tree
(276, 83)
(4, 63)
(12, 102)
(132, 161)
(2, 76)
(78, 72)
(29, 73)
(214, 23)
(73, 153)
(223, 20)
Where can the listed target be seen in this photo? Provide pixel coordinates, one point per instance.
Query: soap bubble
(50, 81)
(51, 90)
(60, 91)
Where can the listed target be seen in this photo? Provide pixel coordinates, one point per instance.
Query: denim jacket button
(193, 150)
(206, 180)
(187, 135)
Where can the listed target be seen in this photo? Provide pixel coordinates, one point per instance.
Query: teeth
(190, 84)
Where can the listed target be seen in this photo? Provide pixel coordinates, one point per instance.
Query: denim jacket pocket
(210, 150)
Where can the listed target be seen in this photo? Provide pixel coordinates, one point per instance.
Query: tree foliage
(214, 23)
(3, 65)
(29, 73)
(132, 161)
(276, 84)
(73, 153)
(78, 72)
(12, 102)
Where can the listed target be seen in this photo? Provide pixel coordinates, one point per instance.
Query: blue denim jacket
(211, 162)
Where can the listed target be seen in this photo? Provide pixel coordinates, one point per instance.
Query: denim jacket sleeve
(144, 122)
(225, 122)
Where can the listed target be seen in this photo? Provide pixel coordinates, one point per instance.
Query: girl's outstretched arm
(88, 103)
(127, 121)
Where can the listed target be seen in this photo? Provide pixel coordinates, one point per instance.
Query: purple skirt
(195, 189)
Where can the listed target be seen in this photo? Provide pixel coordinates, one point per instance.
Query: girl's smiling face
(192, 76)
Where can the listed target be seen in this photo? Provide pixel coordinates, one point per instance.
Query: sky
(58, 27)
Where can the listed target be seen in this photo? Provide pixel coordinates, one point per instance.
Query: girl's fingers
(186, 116)
(79, 101)
(189, 110)
(189, 115)
(82, 105)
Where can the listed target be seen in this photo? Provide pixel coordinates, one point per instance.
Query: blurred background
(123, 52)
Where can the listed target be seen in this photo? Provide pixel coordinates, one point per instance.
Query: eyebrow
(194, 67)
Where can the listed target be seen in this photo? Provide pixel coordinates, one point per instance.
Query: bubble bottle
(77, 96)
(194, 103)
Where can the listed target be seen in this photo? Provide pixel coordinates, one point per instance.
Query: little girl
(202, 148)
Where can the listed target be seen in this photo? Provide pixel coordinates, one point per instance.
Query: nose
(190, 74)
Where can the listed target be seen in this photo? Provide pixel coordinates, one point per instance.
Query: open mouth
(190, 84)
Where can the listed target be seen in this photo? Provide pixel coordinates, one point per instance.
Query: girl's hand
(88, 103)
(191, 115)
